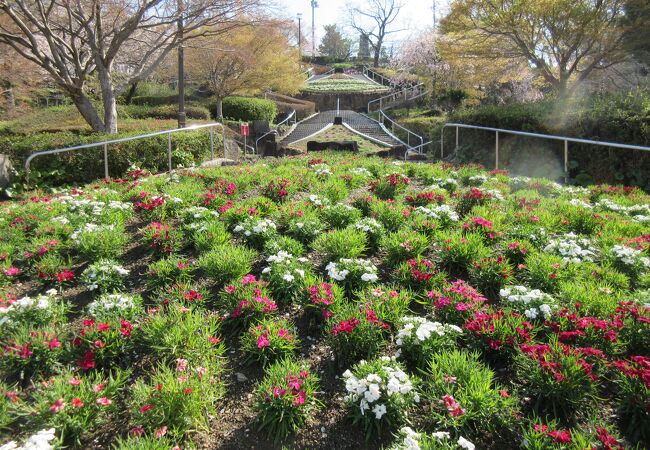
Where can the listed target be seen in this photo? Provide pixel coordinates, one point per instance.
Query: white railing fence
(106, 144)
(565, 139)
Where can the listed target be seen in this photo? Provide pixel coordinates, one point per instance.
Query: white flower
(379, 411)
(464, 443)
(288, 277)
(369, 277)
(373, 393)
(441, 435)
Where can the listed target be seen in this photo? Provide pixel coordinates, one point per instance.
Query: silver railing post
(442, 143)
(106, 161)
(211, 143)
(566, 161)
(169, 151)
(457, 134)
(496, 152)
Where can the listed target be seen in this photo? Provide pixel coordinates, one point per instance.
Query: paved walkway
(354, 120)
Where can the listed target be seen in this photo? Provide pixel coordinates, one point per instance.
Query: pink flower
(12, 271)
(161, 431)
(104, 401)
(248, 279)
(77, 403)
(99, 387)
(57, 406)
(74, 381)
(138, 430)
(263, 341)
(181, 365)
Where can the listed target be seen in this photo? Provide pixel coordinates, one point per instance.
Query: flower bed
(356, 304)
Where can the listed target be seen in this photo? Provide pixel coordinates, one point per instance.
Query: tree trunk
(87, 110)
(131, 92)
(108, 99)
(375, 62)
(433, 101)
(11, 99)
(219, 109)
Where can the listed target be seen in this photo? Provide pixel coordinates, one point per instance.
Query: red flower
(146, 408)
(560, 436)
(77, 403)
(88, 361)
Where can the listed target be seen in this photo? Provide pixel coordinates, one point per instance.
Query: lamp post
(181, 68)
(314, 5)
(299, 15)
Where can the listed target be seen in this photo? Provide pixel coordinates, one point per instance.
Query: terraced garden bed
(340, 303)
(343, 85)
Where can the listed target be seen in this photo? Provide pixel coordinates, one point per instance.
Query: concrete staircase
(358, 123)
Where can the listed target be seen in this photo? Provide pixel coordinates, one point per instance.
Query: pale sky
(416, 15)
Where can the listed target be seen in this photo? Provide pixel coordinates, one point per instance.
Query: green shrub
(88, 164)
(192, 335)
(246, 109)
(178, 403)
(269, 340)
(73, 406)
(227, 262)
(379, 394)
(337, 244)
(470, 399)
(286, 398)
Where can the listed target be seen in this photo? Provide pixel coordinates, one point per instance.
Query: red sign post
(244, 131)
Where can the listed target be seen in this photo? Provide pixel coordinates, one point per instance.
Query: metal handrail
(565, 139)
(418, 89)
(105, 144)
(275, 130)
(367, 70)
(383, 116)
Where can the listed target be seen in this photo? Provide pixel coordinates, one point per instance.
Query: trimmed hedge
(246, 109)
(164, 112)
(85, 165)
(285, 104)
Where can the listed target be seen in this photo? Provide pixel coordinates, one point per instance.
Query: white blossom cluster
(477, 180)
(38, 441)
(101, 272)
(361, 171)
(640, 212)
(572, 190)
(417, 330)
(253, 226)
(343, 267)
(322, 170)
(497, 195)
(284, 258)
(198, 213)
(533, 302)
(444, 212)
(316, 200)
(368, 225)
(26, 304)
(572, 248)
(411, 440)
(112, 302)
(90, 228)
(315, 227)
(630, 257)
(580, 203)
(448, 184)
(375, 389)
(86, 208)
